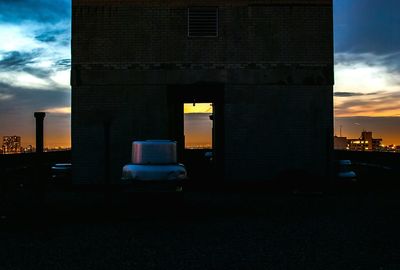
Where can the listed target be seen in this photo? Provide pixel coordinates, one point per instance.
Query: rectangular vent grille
(203, 22)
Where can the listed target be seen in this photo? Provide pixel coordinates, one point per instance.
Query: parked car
(154, 167)
(344, 170)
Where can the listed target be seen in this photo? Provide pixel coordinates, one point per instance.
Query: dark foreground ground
(344, 226)
(236, 230)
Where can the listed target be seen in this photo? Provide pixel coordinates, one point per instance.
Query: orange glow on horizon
(50, 140)
(197, 125)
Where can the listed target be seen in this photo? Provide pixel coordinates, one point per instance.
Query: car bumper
(174, 186)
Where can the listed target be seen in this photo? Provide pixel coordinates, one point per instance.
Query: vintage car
(154, 167)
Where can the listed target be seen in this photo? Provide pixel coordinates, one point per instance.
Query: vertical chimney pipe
(39, 131)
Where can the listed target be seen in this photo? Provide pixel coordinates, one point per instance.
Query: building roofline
(203, 2)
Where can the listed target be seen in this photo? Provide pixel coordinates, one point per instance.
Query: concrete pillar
(39, 131)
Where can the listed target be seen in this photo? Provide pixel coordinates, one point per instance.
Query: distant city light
(13, 145)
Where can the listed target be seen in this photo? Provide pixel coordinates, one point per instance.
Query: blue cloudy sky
(367, 67)
(35, 64)
(34, 68)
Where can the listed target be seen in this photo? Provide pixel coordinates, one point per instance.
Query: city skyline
(35, 67)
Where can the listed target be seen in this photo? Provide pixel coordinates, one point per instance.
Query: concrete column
(39, 131)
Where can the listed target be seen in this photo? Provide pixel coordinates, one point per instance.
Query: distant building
(364, 143)
(340, 143)
(390, 148)
(11, 144)
(29, 149)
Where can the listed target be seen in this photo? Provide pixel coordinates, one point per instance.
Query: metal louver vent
(203, 22)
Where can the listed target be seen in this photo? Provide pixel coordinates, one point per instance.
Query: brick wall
(275, 59)
(269, 129)
(248, 33)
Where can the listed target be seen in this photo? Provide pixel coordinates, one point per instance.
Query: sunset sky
(35, 64)
(197, 125)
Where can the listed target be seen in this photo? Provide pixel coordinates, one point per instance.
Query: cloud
(367, 84)
(353, 94)
(24, 37)
(59, 110)
(28, 100)
(63, 64)
(5, 96)
(367, 72)
(56, 81)
(31, 69)
(14, 60)
(30, 63)
(52, 35)
(390, 61)
(375, 104)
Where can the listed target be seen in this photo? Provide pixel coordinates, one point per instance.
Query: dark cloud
(22, 61)
(29, 100)
(390, 61)
(14, 11)
(42, 73)
(60, 34)
(367, 26)
(63, 64)
(377, 103)
(15, 60)
(46, 37)
(353, 94)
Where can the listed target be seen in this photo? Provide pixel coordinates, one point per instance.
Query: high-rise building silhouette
(11, 144)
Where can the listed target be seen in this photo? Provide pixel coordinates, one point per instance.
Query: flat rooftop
(211, 230)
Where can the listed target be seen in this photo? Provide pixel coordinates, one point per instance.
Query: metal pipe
(39, 131)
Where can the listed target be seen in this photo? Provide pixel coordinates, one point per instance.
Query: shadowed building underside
(267, 66)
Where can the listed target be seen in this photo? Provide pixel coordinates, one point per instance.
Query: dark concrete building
(265, 65)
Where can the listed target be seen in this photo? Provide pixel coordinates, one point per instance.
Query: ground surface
(347, 226)
(236, 230)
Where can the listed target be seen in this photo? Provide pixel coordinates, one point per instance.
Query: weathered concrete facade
(272, 62)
